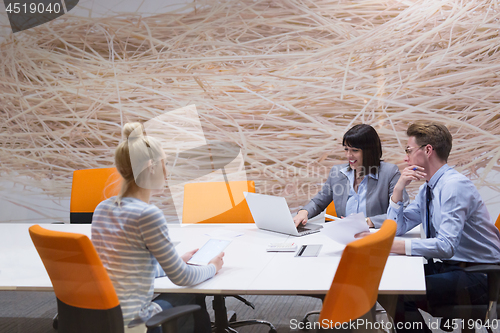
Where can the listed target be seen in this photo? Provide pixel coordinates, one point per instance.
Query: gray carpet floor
(22, 312)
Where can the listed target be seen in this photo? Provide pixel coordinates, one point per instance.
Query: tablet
(309, 250)
(208, 251)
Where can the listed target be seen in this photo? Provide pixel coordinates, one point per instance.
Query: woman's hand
(218, 261)
(301, 217)
(186, 256)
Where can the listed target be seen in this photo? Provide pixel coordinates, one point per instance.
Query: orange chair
(86, 298)
(330, 210)
(221, 202)
(89, 188)
(497, 223)
(217, 202)
(354, 290)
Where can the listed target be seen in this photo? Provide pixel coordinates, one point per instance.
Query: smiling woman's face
(355, 156)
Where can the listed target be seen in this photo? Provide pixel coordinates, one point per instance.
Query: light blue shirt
(356, 201)
(462, 227)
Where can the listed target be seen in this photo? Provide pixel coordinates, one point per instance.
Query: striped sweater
(131, 238)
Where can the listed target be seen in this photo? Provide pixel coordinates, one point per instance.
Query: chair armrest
(493, 273)
(486, 268)
(169, 315)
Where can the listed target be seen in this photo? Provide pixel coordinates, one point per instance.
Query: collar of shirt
(435, 178)
(349, 173)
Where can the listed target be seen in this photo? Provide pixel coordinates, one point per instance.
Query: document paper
(342, 231)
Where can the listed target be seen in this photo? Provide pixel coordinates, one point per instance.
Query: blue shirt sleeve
(407, 218)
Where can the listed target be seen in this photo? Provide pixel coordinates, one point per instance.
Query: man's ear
(429, 150)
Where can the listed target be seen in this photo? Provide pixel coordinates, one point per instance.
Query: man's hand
(186, 256)
(217, 261)
(409, 174)
(398, 247)
(301, 217)
(362, 234)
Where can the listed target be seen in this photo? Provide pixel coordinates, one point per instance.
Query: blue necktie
(428, 199)
(429, 234)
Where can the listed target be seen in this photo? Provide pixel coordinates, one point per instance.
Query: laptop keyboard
(304, 230)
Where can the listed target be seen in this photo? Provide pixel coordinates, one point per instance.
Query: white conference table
(248, 268)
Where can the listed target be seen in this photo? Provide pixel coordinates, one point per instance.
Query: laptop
(272, 213)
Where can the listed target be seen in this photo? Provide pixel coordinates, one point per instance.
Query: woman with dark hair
(364, 185)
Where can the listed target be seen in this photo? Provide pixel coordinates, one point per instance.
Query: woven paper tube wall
(282, 79)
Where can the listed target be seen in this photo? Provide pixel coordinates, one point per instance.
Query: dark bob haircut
(365, 137)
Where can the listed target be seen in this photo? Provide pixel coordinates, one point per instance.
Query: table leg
(220, 314)
(389, 303)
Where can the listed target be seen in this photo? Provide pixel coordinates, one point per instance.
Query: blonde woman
(131, 237)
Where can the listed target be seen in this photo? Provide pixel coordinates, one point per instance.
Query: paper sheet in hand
(320, 218)
(343, 230)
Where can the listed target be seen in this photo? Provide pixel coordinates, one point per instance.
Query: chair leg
(55, 321)
(491, 314)
(231, 316)
(222, 324)
(305, 320)
(240, 323)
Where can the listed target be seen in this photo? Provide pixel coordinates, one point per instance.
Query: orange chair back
(89, 188)
(217, 202)
(75, 269)
(330, 210)
(497, 223)
(354, 289)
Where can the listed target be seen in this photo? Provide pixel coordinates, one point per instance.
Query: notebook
(272, 213)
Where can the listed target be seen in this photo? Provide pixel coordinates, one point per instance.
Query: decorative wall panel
(282, 79)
